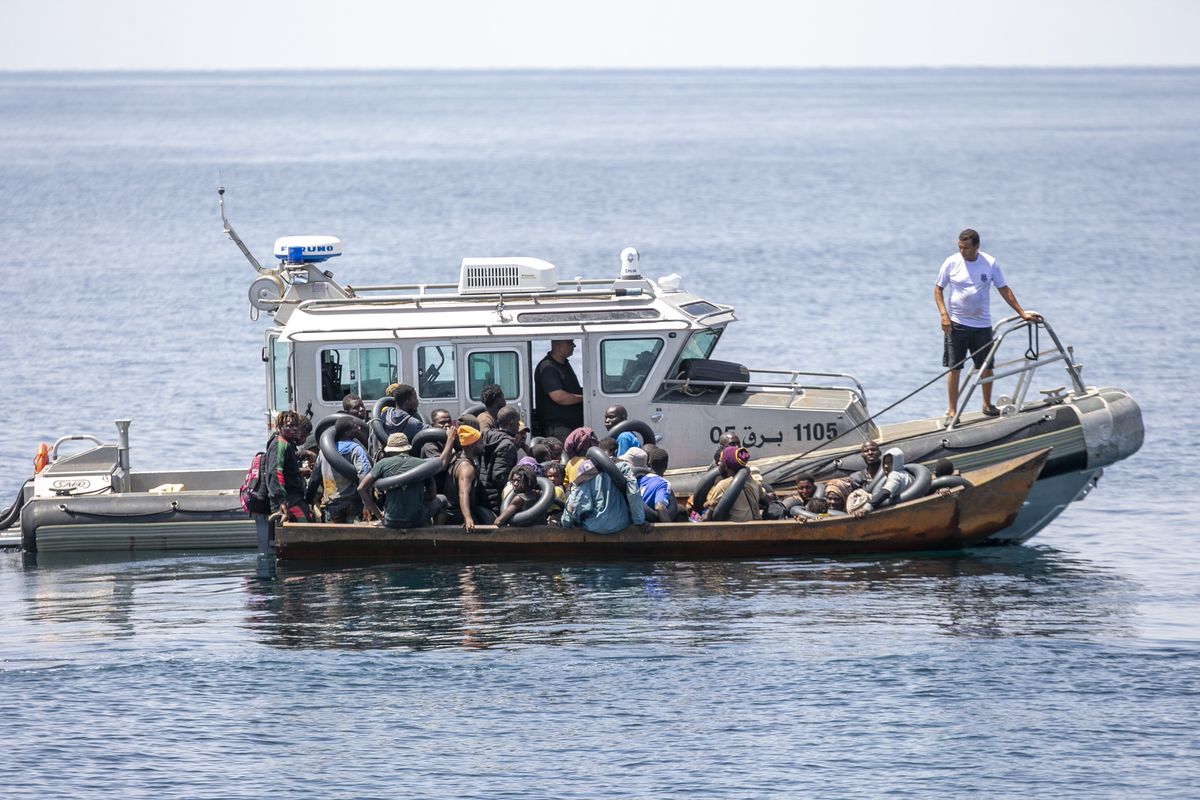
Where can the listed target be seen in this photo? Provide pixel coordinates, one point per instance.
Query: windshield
(701, 344)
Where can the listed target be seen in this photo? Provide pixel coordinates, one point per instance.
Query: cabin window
(698, 308)
(435, 371)
(626, 363)
(701, 344)
(365, 371)
(279, 374)
(591, 315)
(500, 367)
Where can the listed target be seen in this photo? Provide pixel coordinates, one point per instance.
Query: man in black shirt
(558, 393)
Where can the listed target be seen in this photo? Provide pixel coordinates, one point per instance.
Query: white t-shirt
(970, 285)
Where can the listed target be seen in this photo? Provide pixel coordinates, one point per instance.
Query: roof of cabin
(431, 311)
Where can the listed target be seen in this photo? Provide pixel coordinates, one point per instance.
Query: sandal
(991, 411)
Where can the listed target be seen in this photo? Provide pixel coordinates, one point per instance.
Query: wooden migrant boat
(957, 518)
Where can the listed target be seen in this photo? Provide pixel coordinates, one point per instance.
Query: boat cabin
(640, 343)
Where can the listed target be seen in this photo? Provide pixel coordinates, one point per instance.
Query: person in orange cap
(468, 501)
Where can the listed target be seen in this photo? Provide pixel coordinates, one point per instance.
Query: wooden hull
(961, 518)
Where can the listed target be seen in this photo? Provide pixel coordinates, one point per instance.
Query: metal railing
(1023, 366)
(569, 329)
(75, 437)
(793, 386)
(418, 295)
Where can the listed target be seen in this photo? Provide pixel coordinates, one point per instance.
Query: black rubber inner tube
(795, 507)
(536, 514)
(325, 434)
(918, 488)
(384, 402)
(922, 478)
(637, 426)
(606, 465)
(336, 461)
(378, 432)
(798, 508)
(426, 436)
(725, 504)
(377, 418)
(949, 482)
(475, 410)
(13, 512)
(426, 469)
(700, 494)
(792, 503)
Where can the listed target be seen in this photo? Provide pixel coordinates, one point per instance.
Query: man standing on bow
(967, 323)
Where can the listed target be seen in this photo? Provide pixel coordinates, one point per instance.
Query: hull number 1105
(812, 432)
(819, 432)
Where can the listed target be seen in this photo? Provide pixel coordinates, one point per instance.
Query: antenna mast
(237, 239)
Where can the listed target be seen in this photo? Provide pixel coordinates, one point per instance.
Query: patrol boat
(644, 344)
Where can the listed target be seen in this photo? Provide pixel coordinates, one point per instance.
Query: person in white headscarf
(896, 479)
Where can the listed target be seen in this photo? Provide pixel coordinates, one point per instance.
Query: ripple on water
(1063, 669)
(909, 675)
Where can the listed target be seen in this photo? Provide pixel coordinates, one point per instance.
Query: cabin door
(621, 365)
(502, 363)
(540, 348)
(277, 356)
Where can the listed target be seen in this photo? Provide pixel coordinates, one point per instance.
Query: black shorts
(963, 340)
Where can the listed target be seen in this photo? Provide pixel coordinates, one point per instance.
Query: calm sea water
(819, 203)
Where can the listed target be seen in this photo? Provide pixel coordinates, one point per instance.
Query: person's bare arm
(941, 306)
(1011, 299)
(565, 398)
(465, 479)
(447, 454)
(368, 497)
(517, 503)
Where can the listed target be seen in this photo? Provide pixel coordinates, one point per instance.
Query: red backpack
(254, 488)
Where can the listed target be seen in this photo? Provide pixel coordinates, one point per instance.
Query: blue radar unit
(307, 249)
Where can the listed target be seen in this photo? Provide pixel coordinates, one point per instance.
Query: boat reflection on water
(79, 599)
(989, 592)
(1000, 592)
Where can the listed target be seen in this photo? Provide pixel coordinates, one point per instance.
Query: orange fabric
(468, 435)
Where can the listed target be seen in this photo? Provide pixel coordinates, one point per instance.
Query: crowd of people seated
(489, 472)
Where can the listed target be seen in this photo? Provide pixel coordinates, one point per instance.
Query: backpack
(254, 488)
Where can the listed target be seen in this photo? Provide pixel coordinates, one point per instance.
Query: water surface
(820, 204)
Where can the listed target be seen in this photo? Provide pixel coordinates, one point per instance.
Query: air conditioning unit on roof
(507, 275)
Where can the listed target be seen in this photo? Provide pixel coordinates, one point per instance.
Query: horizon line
(584, 68)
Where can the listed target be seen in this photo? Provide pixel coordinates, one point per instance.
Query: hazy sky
(237, 34)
